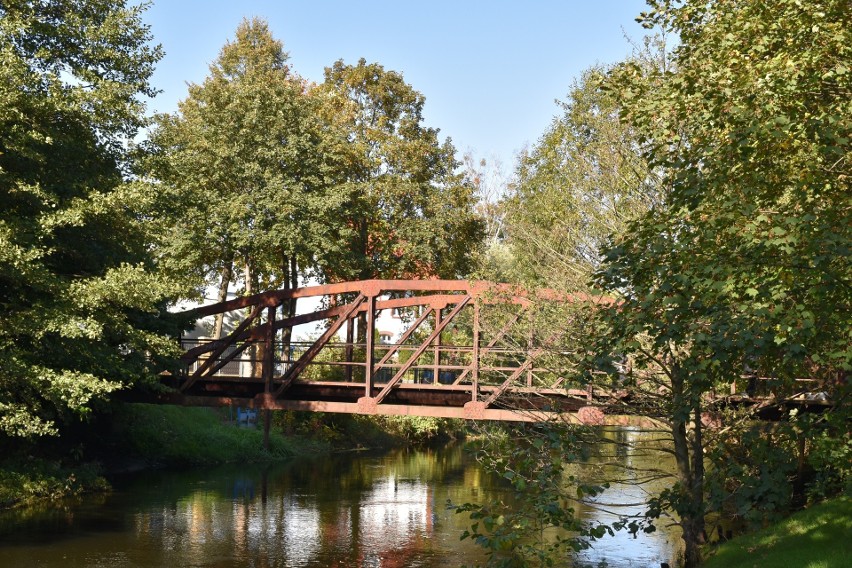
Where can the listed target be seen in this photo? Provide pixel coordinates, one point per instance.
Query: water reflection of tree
(345, 511)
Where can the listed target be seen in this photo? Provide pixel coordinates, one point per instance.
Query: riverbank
(135, 437)
(817, 537)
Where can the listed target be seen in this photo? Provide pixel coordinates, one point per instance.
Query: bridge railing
(453, 368)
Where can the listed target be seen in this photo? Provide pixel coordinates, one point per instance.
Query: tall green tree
(243, 170)
(80, 302)
(584, 180)
(408, 212)
(747, 264)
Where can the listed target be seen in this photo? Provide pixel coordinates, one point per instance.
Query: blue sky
(490, 70)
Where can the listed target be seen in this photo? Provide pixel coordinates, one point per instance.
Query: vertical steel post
(369, 356)
(350, 340)
(436, 367)
(268, 369)
(475, 356)
(269, 350)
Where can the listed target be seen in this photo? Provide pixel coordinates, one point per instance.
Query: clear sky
(490, 70)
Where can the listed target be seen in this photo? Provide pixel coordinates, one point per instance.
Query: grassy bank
(353, 431)
(818, 537)
(133, 437)
(143, 435)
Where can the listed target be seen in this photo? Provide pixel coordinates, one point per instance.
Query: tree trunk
(290, 270)
(267, 424)
(227, 275)
(690, 472)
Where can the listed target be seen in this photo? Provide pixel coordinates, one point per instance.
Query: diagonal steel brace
(423, 347)
(317, 346)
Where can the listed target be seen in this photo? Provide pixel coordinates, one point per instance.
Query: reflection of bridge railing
(471, 349)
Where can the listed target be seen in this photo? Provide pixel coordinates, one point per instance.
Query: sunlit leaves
(407, 213)
(582, 182)
(80, 306)
(748, 265)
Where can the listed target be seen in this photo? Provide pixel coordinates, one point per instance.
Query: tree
(746, 266)
(243, 171)
(492, 186)
(583, 181)
(541, 525)
(408, 212)
(82, 308)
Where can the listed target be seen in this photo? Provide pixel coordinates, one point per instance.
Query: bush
(23, 481)
(753, 473)
(354, 431)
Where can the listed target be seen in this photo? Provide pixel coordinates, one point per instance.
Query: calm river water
(349, 510)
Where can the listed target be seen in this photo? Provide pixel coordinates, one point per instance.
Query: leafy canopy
(80, 304)
(244, 168)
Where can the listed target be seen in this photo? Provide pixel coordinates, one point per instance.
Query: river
(383, 510)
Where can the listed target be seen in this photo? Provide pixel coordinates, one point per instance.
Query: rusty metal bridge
(463, 350)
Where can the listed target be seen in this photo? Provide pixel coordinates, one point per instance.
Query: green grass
(132, 437)
(353, 431)
(818, 537)
(181, 436)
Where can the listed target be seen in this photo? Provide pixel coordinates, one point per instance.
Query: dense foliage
(739, 265)
(746, 269)
(262, 171)
(540, 527)
(584, 180)
(407, 212)
(81, 307)
(244, 171)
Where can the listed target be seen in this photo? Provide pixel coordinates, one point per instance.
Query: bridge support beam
(370, 356)
(474, 363)
(500, 414)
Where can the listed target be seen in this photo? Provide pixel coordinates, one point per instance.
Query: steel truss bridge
(469, 350)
